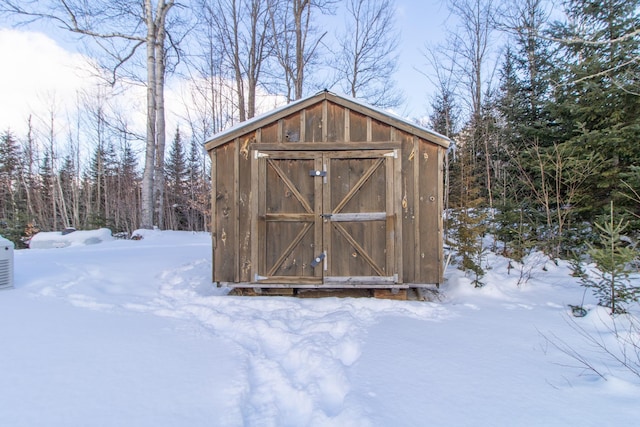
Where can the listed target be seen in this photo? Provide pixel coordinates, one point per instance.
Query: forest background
(542, 103)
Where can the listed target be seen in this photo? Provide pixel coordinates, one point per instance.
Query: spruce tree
(177, 176)
(128, 188)
(467, 222)
(198, 188)
(11, 217)
(598, 99)
(612, 256)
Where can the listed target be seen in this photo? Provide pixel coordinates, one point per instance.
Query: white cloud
(37, 75)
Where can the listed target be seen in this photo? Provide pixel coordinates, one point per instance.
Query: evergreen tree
(445, 113)
(467, 222)
(102, 179)
(198, 188)
(612, 256)
(177, 178)
(45, 193)
(69, 189)
(128, 190)
(599, 96)
(522, 104)
(9, 158)
(10, 216)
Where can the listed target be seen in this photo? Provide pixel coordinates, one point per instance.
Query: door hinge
(393, 154)
(257, 277)
(258, 155)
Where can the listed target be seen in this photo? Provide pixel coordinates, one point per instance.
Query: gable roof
(351, 103)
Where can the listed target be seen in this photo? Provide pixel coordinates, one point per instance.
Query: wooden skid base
(397, 294)
(252, 292)
(394, 294)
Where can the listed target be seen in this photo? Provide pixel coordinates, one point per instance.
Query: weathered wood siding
(225, 210)
(264, 204)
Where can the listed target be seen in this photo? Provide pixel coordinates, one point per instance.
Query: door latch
(317, 173)
(317, 260)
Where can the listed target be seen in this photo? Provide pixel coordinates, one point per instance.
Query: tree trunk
(146, 213)
(158, 183)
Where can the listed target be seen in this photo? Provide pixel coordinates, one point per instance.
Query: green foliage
(512, 226)
(468, 230)
(598, 100)
(612, 256)
(467, 222)
(630, 191)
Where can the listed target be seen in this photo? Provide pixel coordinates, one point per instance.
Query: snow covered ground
(132, 333)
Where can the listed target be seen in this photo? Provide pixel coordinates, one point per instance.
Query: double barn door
(326, 217)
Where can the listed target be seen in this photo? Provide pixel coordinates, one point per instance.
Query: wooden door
(289, 218)
(326, 218)
(359, 217)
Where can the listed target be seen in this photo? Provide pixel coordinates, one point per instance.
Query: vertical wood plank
(397, 214)
(280, 136)
(335, 123)
(225, 214)
(269, 133)
(430, 215)
(327, 231)
(303, 125)
(324, 124)
(392, 267)
(291, 128)
(347, 126)
(236, 203)
(358, 127)
(441, 154)
(214, 223)
(260, 213)
(254, 208)
(314, 123)
(244, 195)
(317, 226)
(369, 131)
(418, 224)
(407, 201)
(380, 131)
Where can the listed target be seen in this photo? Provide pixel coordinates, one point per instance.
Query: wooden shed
(327, 193)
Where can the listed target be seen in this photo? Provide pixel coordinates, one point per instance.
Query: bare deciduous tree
(296, 39)
(369, 52)
(244, 35)
(470, 48)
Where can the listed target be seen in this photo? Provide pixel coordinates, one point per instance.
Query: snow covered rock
(63, 239)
